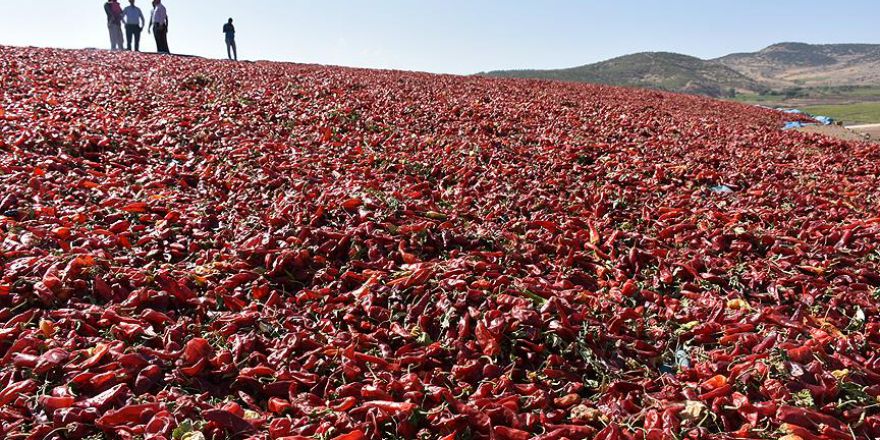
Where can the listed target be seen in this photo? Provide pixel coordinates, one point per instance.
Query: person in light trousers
(114, 23)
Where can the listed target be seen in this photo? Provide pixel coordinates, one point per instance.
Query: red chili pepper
(15, 390)
(392, 407)
(505, 433)
(344, 404)
(106, 399)
(724, 390)
(488, 340)
(806, 418)
(132, 414)
(230, 422)
(278, 406)
(135, 207)
(354, 435)
(196, 349)
(52, 403)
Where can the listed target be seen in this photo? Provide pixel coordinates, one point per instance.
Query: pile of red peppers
(193, 249)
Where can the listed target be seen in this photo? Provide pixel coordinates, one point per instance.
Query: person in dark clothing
(114, 23)
(134, 24)
(231, 49)
(159, 26)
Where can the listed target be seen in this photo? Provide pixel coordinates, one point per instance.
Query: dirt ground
(872, 133)
(871, 130)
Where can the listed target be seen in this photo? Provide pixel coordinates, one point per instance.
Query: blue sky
(456, 36)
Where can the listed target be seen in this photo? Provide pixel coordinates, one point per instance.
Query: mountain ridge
(777, 67)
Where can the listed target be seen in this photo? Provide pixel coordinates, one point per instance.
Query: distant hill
(777, 67)
(662, 70)
(807, 65)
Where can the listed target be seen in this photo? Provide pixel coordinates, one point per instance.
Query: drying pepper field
(200, 249)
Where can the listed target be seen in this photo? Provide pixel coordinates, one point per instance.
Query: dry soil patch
(840, 132)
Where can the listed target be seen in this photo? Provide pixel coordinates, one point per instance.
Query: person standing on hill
(114, 23)
(159, 26)
(134, 24)
(229, 30)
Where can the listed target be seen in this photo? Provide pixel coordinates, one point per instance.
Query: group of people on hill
(134, 22)
(133, 19)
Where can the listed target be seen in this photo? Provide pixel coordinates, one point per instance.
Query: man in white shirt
(134, 24)
(159, 26)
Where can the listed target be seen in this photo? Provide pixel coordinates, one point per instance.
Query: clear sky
(456, 36)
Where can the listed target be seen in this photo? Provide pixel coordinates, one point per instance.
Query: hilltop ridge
(778, 67)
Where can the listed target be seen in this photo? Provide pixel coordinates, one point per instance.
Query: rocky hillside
(778, 67)
(806, 65)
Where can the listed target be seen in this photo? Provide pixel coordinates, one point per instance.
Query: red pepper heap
(194, 249)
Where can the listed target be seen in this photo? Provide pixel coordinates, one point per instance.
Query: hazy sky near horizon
(455, 36)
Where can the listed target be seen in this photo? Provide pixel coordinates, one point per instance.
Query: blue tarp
(824, 120)
(793, 125)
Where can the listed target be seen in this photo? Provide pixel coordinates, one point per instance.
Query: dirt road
(872, 130)
(837, 131)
